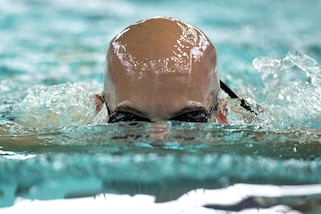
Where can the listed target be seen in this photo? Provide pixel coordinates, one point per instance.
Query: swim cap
(158, 50)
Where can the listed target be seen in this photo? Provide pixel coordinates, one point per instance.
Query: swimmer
(162, 69)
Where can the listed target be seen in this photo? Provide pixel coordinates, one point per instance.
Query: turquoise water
(53, 146)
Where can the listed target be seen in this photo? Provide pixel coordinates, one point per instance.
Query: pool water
(54, 146)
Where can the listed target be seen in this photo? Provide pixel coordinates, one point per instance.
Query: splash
(58, 106)
(290, 99)
(292, 90)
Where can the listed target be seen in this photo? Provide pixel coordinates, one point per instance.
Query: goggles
(201, 115)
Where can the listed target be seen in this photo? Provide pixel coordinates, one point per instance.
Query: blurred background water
(52, 57)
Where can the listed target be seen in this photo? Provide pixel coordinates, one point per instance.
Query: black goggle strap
(107, 107)
(231, 93)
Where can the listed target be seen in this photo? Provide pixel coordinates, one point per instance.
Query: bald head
(159, 67)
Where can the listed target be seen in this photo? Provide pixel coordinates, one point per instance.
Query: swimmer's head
(159, 68)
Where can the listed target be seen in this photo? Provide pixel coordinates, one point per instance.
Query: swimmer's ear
(221, 111)
(99, 102)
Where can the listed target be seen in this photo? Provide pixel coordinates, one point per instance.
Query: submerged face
(159, 68)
